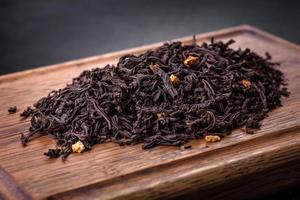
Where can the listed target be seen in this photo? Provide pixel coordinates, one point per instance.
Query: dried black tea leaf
(27, 112)
(12, 109)
(166, 96)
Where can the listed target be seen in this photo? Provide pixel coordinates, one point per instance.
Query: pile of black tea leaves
(165, 96)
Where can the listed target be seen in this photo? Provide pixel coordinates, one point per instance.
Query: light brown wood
(239, 166)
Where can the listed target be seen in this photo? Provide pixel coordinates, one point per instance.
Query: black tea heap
(166, 96)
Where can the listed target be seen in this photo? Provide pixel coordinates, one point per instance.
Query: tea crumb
(53, 153)
(27, 112)
(186, 147)
(12, 109)
(24, 139)
(249, 131)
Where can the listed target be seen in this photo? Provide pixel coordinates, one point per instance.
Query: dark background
(37, 33)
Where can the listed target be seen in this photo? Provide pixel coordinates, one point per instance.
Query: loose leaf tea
(12, 109)
(166, 96)
(27, 112)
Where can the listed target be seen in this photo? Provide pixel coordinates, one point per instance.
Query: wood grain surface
(240, 166)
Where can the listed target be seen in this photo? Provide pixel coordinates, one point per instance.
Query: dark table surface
(35, 33)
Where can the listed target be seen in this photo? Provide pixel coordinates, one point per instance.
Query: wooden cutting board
(239, 166)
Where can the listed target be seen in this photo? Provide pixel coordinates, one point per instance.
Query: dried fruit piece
(212, 138)
(78, 147)
(160, 115)
(246, 83)
(154, 66)
(191, 60)
(174, 80)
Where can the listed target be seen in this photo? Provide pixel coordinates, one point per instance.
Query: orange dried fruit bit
(174, 79)
(212, 138)
(191, 60)
(246, 83)
(154, 66)
(160, 115)
(78, 147)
